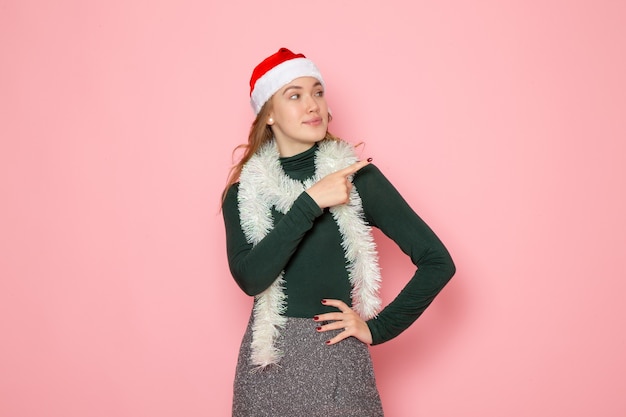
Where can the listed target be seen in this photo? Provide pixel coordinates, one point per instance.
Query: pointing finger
(355, 167)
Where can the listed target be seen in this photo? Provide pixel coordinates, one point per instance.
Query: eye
(294, 97)
(320, 93)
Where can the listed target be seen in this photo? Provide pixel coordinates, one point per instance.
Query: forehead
(302, 82)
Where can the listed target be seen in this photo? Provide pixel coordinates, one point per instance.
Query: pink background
(502, 123)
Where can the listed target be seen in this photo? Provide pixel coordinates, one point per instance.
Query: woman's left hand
(347, 319)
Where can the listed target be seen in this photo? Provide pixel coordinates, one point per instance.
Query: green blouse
(306, 244)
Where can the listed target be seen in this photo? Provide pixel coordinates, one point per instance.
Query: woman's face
(299, 115)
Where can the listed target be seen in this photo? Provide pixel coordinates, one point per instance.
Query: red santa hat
(276, 71)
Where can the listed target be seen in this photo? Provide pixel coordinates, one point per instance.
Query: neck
(285, 151)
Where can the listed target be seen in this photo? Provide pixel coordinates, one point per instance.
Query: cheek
(292, 114)
(323, 105)
(325, 112)
(282, 114)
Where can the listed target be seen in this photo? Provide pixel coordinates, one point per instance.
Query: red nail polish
(323, 301)
(316, 318)
(328, 342)
(370, 159)
(318, 328)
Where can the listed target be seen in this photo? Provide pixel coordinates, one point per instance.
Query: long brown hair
(260, 133)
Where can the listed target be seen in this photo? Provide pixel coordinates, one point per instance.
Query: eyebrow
(299, 87)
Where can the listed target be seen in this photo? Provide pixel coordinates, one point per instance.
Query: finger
(338, 338)
(361, 333)
(355, 167)
(329, 317)
(343, 307)
(336, 325)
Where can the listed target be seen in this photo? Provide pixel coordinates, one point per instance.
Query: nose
(312, 104)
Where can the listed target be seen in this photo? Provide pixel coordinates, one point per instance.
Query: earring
(270, 121)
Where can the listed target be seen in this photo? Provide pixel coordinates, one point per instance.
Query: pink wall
(502, 124)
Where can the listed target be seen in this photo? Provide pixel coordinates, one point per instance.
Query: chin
(322, 134)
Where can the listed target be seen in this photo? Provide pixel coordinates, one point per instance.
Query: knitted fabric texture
(263, 185)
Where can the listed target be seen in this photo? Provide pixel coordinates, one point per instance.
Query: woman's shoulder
(371, 181)
(369, 172)
(230, 195)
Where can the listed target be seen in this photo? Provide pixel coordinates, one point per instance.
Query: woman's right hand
(334, 189)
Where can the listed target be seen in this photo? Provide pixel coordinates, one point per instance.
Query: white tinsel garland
(262, 185)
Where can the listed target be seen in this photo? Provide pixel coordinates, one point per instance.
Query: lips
(313, 122)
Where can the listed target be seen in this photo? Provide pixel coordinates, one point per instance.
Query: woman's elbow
(451, 270)
(448, 267)
(250, 284)
(439, 260)
(252, 292)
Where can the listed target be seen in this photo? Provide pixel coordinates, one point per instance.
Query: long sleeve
(386, 209)
(254, 268)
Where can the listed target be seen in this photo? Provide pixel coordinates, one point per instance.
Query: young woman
(298, 210)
